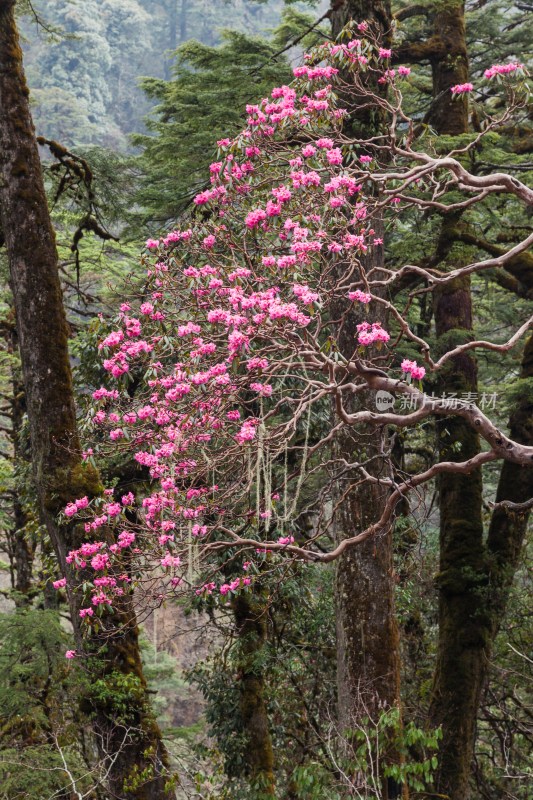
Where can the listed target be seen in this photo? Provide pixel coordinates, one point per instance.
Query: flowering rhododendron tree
(233, 345)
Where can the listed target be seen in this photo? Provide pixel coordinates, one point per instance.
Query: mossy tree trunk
(23, 547)
(463, 620)
(133, 748)
(251, 623)
(449, 66)
(376, 12)
(368, 656)
(368, 663)
(507, 528)
(461, 582)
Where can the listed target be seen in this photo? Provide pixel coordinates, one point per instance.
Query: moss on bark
(59, 473)
(367, 633)
(251, 622)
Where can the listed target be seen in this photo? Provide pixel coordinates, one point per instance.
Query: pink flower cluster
(72, 508)
(502, 69)
(234, 585)
(220, 343)
(368, 334)
(462, 88)
(247, 431)
(304, 294)
(412, 368)
(360, 297)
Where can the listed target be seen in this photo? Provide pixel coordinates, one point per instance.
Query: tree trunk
(461, 582)
(135, 756)
(368, 663)
(23, 549)
(449, 66)
(172, 37)
(251, 622)
(377, 12)
(368, 658)
(463, 620)
(507, 529)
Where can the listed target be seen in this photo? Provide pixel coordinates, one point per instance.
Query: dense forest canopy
(266, 411)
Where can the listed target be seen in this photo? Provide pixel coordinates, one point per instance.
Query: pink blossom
(100, 561)
(113, 509)
(100, 598)
(112, 340)
(361, 297)
(170, 561)
(70, 654)
(286, 539)
(207, 588)
(282, 193)
(502, 69)
(255, 217)
(334, 156)
(304, 294)
(462, 88)
(246, 433)
(413, 369)
(263, 389)
(368, 334)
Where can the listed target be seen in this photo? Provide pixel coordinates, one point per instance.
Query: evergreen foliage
(211, 84)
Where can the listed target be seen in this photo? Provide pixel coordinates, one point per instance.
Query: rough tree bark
(507, 529)
(462, 616)
(461, 577)
(136, 756)
(251, 623)
(449, 66)
(23, 549)
(466, 618)
(368, 662)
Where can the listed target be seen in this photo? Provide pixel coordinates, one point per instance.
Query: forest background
(129, 127)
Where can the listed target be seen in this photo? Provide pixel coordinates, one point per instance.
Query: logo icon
(384, 400)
